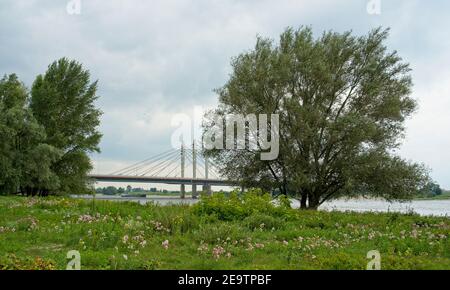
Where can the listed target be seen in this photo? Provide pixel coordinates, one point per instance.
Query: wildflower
(125, 257)
(285, 243)
(165, 244)
(259, 246)
(202, 248)
(217, 252)
(86, 218)
(125, 239)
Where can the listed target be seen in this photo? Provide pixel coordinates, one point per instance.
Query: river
(422, 207)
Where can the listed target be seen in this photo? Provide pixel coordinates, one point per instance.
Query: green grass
(217, 233)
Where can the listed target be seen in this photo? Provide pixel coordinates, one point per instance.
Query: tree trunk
(313, 202)
(303, 201)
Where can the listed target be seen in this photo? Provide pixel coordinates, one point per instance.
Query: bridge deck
(165, 180)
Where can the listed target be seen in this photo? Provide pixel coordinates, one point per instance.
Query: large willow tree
(342, 101)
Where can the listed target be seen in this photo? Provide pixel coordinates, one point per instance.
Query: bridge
(176, 166)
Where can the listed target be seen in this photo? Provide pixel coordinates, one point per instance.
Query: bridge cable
(199, 166)
(142, 167)
(161, 163)
(212, 168)
(143, 161)
(176, 167)
(173, 160)
(140, 164)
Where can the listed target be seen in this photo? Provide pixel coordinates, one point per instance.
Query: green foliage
(62, 100)
(431, 189)
(46, 138)
(37, 233)
(238, 207)
(342, 101)
(25, 160)
(263, 222)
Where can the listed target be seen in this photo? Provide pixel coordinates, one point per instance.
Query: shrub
(238, 207)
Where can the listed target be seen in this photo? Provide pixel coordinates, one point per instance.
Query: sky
(155, 59)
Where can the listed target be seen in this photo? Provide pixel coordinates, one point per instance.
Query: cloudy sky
(154, 59)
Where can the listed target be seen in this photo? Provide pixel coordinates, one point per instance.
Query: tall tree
(62, 100)
(342, 102)
(24, 159)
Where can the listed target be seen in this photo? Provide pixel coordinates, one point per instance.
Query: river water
(422, 207)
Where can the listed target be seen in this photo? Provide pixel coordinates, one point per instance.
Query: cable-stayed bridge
(184, 166)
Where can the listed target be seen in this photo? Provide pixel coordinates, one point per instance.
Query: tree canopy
(62, 100)
(48, 134)
(25, 159)
(342, 102)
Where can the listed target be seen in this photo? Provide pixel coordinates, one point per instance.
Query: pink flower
(259, 246)
(217, 252)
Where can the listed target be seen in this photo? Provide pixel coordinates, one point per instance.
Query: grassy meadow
(217, 233)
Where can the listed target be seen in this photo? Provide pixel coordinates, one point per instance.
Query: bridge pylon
(206, 186)
(194, 170)
(183, 161)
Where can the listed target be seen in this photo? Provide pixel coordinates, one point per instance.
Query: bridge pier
(207, 188)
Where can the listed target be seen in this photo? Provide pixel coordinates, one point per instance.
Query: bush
(238, 207)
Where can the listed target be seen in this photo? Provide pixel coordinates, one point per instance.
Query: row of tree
(47, 133)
